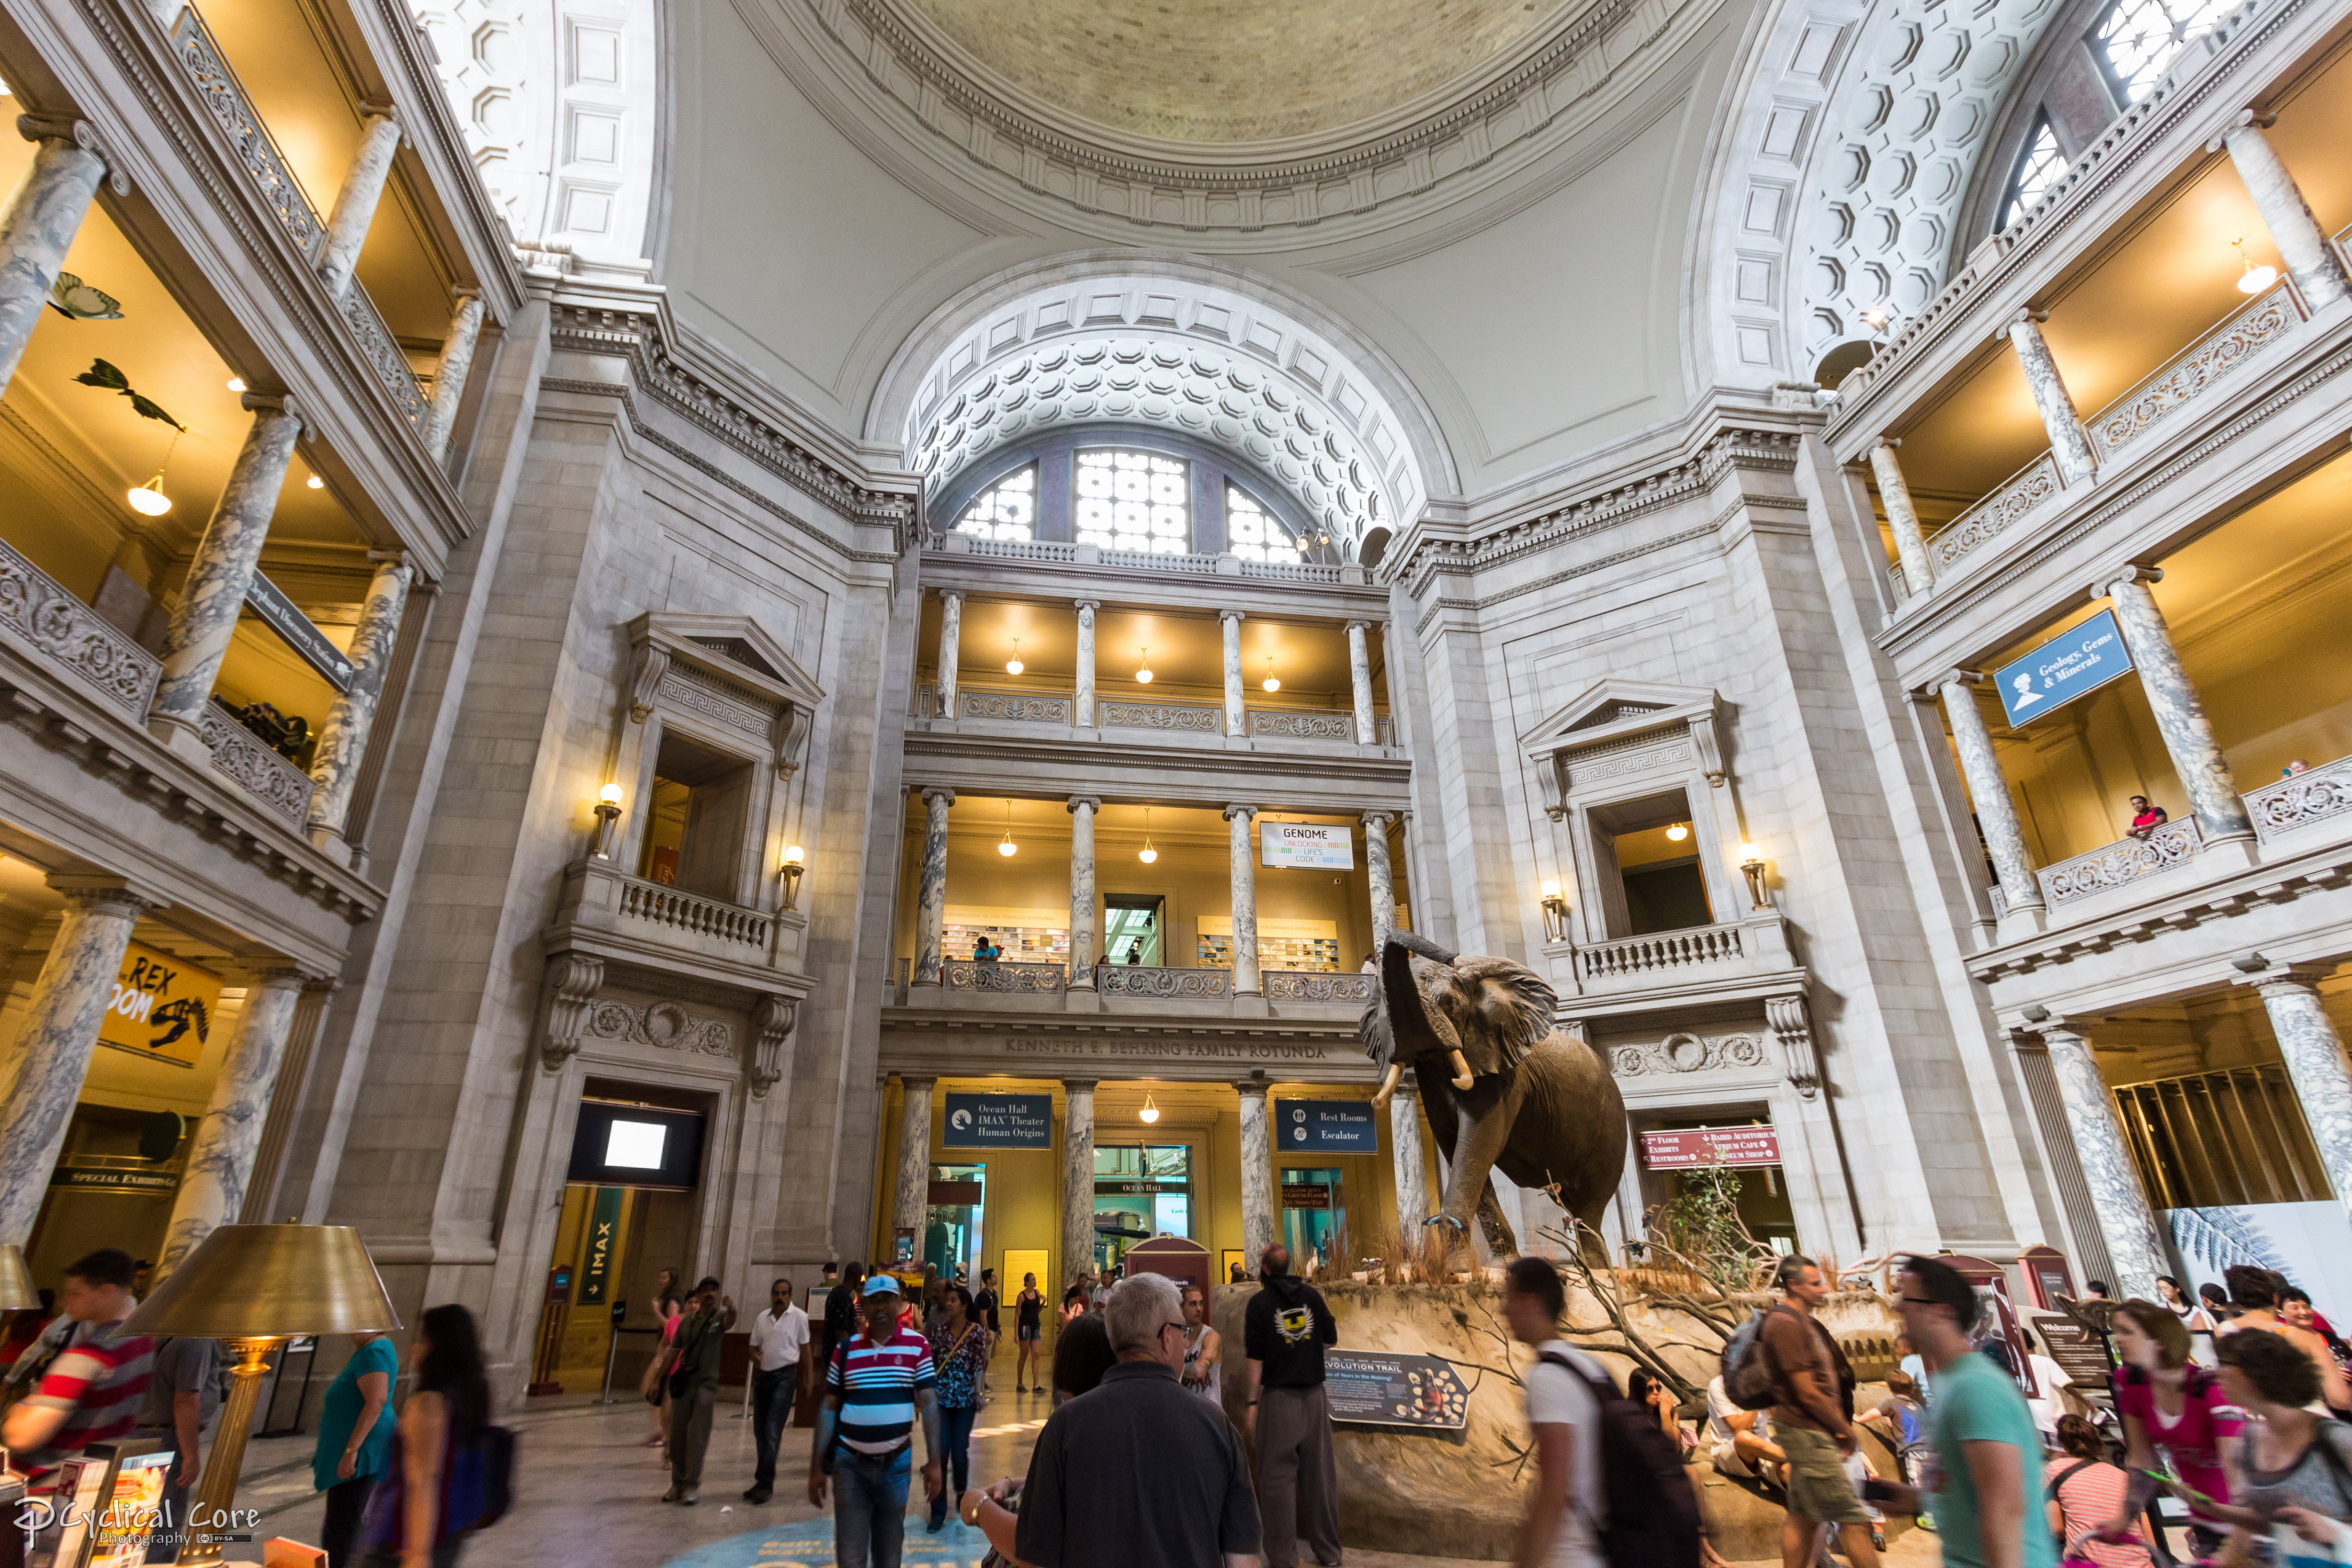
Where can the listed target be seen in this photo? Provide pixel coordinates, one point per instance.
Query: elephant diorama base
(1505, 1089)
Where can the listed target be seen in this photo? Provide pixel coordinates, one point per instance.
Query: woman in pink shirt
(2170, 1406)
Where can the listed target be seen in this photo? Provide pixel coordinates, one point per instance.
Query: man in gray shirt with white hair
(1138, 1472)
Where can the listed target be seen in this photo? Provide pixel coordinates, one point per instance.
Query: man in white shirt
(779, 1336)
(1566, 1419)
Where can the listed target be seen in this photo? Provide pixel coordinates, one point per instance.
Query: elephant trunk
(1388, 1084)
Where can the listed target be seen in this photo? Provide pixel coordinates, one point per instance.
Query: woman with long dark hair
(445, 1414)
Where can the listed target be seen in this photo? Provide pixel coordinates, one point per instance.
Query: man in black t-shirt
(1284, 1331)
(840, 1310)
(984, 1308)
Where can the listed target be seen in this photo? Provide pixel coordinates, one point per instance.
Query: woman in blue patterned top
(960, 1357)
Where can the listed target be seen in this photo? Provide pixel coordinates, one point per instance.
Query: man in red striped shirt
(92, 1392)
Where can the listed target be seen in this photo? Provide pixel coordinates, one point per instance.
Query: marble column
(1903, 518)
(910, 1197)
(1078, 1177)
(1085, 923)
(1260, 1219)
(2181, 718)
(221, 1155)
(1989, 791)
(222, 571)
(1083, 710)
(43, 215)
(2069, 447)
(1359, 681)
(2315, 1060)
(1404, 1145)
(2311, 261)
(55, 1038)
(2126, 1221)
(1242, 854)
(951, 647)
(343, 735)
(931, 899)
(450, 375)
(355, 204)
(1376, 872)
(1237, 717)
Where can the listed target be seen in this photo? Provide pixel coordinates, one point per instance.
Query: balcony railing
(2023, 495)
(384, 355)
(1149, 980)
(2188, 375)
(1010, 979)
(1316, 985)
(1657, 953)
(692, 913)
(67, 635)
(1170, 718)
(2121, 863)
(239, 754)
(1193, 564)
(2301, 800)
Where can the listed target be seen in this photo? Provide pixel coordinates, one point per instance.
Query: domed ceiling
(1234, 71)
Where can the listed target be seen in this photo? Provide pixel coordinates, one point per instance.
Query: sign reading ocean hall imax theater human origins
(999, 1122)
(1312, 846)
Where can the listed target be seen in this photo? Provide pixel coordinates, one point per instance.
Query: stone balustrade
(1316, 985)
(2026, 494)
(239, 755)
(2121, 863)
(1003, 980)
(998, 705)
(62, 632)
(1302, 722)
(2193, 373)
(200, 56)
(691, 914)
(1020, 707)
(1151, 980)
(1168, 717)
(1659, 951)
(384, 355)
(2312, 796)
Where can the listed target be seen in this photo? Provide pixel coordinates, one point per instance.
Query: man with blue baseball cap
(874, 1387)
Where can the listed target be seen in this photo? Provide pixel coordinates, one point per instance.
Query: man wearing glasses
(1138, 1472)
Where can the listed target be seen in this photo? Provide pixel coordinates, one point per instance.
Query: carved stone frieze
(1148, 980)
(1998, 513)
(240, 755)
(1302, 724)
(722, 703)
(1315, 986)
(217, 85)
(664, 1026)
(1687, 1052)
(2187, 377)
(384, 355)
(1186, 719)
(64, 631)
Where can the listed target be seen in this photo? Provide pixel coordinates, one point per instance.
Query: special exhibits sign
(1311, 845)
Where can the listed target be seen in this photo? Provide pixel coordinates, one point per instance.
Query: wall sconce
(792, 869)
(608, 817)
(1151, 1113)
(1751, 866)
(1555, 913)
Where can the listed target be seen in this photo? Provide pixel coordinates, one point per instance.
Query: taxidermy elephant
(1502, 1086)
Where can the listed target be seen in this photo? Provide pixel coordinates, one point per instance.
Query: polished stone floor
(588, 1492)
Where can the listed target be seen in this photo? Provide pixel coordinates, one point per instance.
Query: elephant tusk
(1463, 1078)
(1388, 1084)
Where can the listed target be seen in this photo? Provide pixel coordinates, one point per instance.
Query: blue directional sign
(999, 1122)
(2082, 659)
(1325, 1127)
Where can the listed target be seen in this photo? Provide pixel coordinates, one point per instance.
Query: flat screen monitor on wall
(637, 1146)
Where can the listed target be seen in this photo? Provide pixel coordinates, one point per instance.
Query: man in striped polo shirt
(92, 1391)
(876, 1384)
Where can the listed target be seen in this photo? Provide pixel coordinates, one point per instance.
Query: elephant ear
(1511, 1003)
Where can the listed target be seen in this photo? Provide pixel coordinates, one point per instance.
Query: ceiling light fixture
(1005, 846)
(237, 383)
(316, 483)
(1143, 675)
(1013, 666)
(1270, 684)
(1678, 833)
(2253, 279)
(1146, 854)
(148, 500)
(1151, 1113)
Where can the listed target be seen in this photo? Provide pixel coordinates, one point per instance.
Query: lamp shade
(246, 1281)
(16, 1293)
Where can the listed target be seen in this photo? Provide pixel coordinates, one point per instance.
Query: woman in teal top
(355, 1428)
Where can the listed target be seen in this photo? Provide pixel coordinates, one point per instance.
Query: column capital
(938, 792)
(2045, 1030)
(1253, 1088)
(912, 1083)
(1085, 606)
(2266, 975)
(104, 893)
(1080, 1085)
(1091, 802)
(277, 402)
(1361, 624)
(1889, 442)
(1231, 616)
(951, 595)
(1961, 678)
(1378, 820)
(2104, 585)
(269, 973)
(2027, 315)
(1239, 811)
(78, 133)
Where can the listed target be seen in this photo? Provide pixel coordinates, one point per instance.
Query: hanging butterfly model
(74, 300)
(103, 375)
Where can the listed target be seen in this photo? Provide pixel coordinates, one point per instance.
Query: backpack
(1651, 1515)
(480, 1486)
(1748, 1380)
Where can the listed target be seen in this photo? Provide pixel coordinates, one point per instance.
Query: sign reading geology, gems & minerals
(1413, 1391)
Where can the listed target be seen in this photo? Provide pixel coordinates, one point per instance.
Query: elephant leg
(1500, 1239)
(1478, 1139)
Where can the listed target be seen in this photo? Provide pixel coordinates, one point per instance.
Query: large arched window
(2136, 41)
(1252, 532)
(1131, 501)
(2038, 168)
(1006, 509)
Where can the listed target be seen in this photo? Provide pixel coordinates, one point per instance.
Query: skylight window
(1006, 510)
(1136, 501)
(2137, 40)
(1252, 533)
(2037, 169)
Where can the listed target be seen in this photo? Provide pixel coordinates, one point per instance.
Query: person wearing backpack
(1813, 1419)
(1610, 1489)
(2085, 1488)
(435, 1492)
